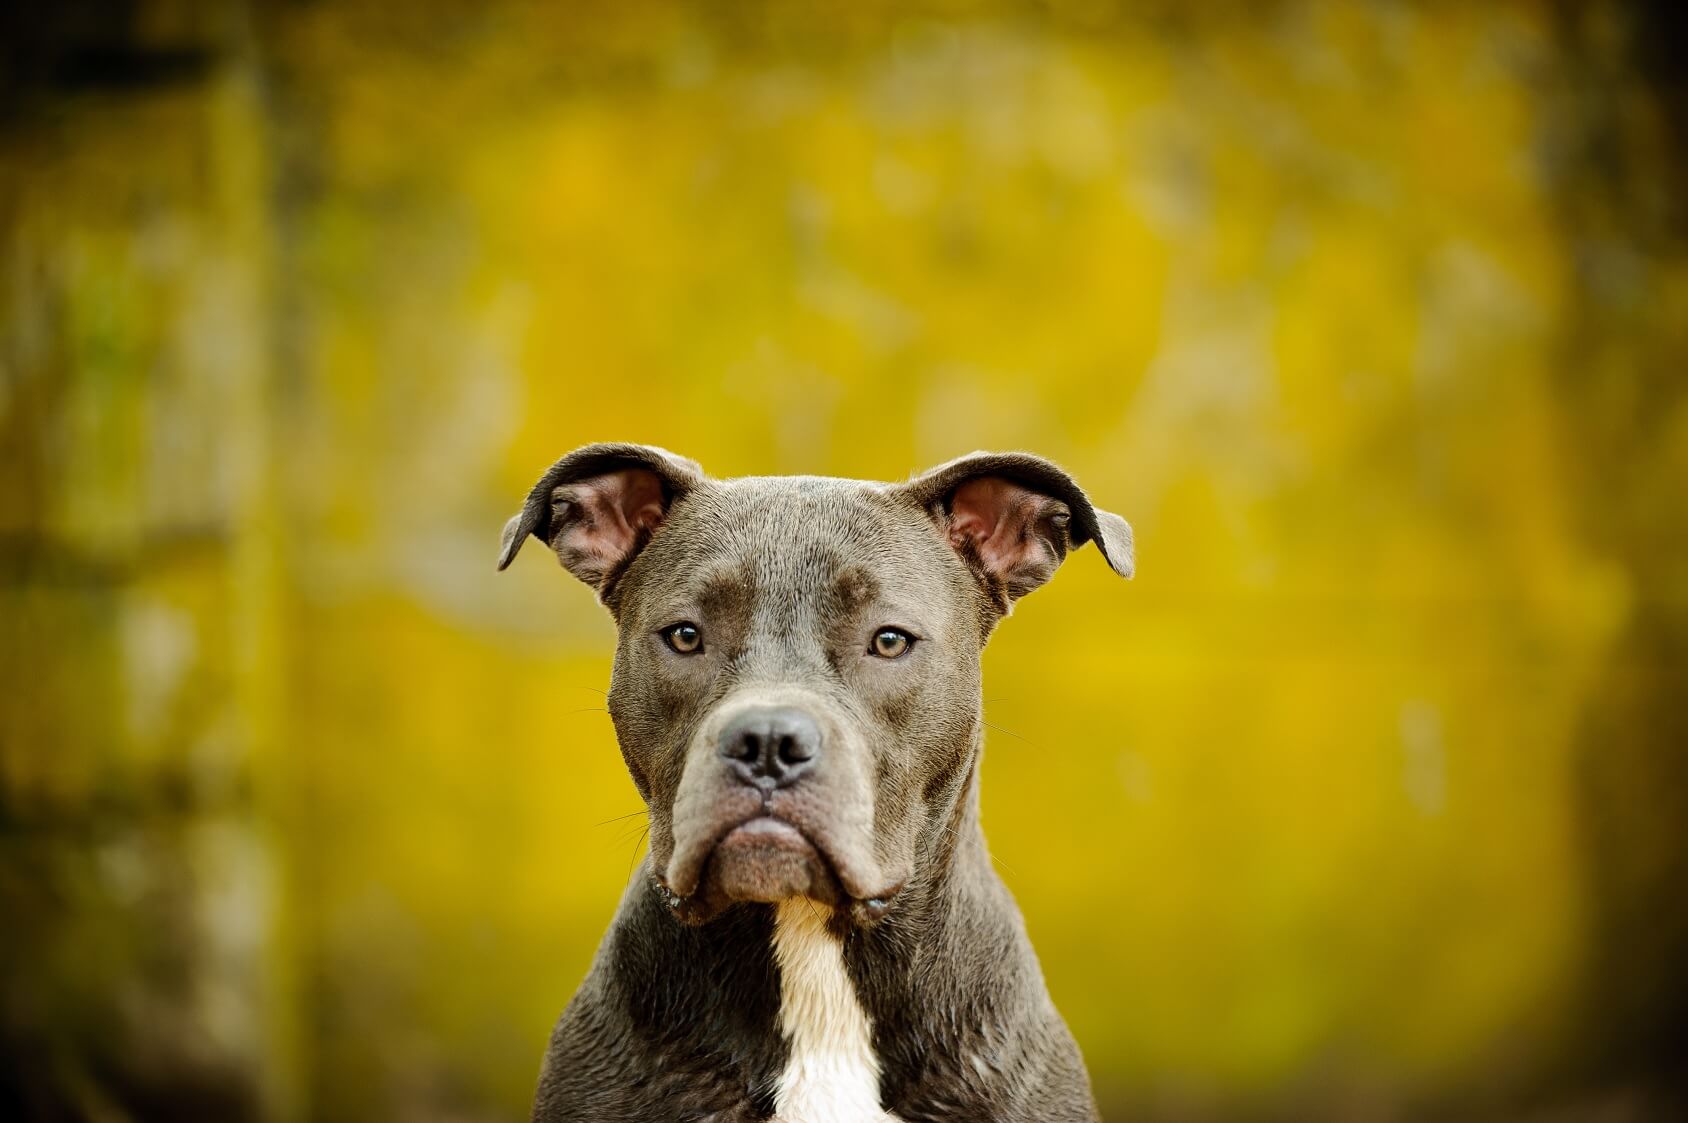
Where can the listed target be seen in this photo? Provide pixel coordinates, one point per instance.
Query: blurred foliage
(1365, 801)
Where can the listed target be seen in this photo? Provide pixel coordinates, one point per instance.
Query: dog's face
(796, 686)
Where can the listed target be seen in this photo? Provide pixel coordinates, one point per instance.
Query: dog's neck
(831, 1070)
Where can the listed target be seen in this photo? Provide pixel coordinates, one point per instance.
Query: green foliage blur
(1364, 802)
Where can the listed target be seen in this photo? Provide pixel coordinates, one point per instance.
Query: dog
(817, 934)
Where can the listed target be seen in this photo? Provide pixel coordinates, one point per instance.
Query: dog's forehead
(793, 536)
(803, 528)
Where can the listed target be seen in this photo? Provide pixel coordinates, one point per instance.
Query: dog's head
(796, 686)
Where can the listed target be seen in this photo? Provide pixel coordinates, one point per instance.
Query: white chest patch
(832, 1075)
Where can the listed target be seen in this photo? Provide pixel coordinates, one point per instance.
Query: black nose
(771, 746)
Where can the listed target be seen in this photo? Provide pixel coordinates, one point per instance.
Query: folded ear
(598, 506)
(1013, 516)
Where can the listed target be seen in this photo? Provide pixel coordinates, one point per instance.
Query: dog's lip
(766, 828)
(763, 826)
(687, 867)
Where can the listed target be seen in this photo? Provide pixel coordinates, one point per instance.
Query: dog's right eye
(890, 643)
(683, 638)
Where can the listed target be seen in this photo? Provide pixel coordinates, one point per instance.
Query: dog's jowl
(817, 934)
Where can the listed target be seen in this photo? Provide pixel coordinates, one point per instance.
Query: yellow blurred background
(1364, 802)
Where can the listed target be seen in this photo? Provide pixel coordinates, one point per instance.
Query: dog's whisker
(1006, 732)
(634, 860)
(622, 818)
(629, 831)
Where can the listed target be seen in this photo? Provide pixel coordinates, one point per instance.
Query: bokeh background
(1364, 802)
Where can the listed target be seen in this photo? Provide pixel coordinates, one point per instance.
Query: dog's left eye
(889, 643)
(684, 638)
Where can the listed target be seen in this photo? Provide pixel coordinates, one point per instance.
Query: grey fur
(788, 577)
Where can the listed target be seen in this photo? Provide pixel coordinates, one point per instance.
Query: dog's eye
(683, 637)
(889, 643)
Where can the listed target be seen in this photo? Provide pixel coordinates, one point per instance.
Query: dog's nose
(771, 746)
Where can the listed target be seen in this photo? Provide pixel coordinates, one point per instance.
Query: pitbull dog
(817, 934)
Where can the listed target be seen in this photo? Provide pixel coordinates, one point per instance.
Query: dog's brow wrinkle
(852, 588)
(725, 592)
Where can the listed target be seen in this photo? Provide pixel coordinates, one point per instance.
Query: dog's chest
(832, 1073)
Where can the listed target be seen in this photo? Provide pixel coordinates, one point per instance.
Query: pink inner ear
(606, 515)
(999, 519)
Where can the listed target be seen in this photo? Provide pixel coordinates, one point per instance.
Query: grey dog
(817, 934)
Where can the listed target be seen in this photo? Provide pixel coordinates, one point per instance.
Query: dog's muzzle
(775, 802)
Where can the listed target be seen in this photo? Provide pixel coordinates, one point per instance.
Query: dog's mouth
(767, 859)
(739, 844)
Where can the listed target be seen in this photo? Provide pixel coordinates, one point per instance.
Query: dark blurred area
(1365, 802)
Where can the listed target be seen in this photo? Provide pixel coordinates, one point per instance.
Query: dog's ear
(598, 506)
(1013, 516)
